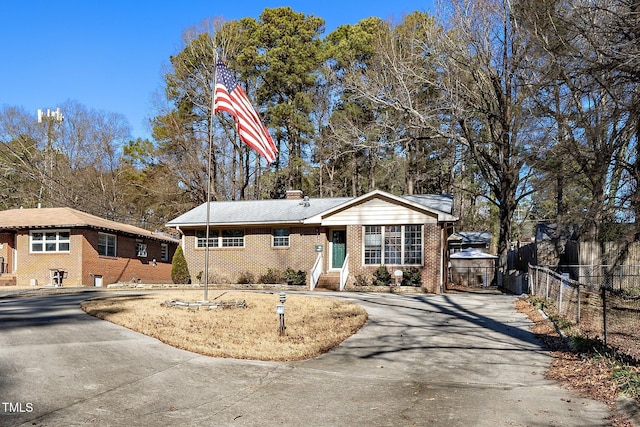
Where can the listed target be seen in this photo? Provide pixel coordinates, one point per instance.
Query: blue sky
(110, 55)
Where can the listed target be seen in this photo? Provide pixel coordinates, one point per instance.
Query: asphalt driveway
(423, 360)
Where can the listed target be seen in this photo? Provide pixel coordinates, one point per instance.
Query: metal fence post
(560, 287)
(547, 294)
(603, 291)
(579, 298)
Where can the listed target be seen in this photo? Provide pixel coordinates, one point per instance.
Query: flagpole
(208, 220)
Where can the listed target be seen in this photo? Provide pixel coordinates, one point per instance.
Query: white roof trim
(442, 216)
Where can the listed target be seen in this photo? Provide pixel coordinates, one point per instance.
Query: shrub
(271, 276)
(361, 280)
(381, 277)
(179, 269)
(411, 277)
(293, 277)
(246, 278)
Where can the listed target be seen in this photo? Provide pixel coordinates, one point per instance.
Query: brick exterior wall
(82, 264)
(126, 266)
(432, 252)
(257, 256)
(37, 266)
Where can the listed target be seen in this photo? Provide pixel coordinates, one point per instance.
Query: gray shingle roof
(284, 210)
(256, 211)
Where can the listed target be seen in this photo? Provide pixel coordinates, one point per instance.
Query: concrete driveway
(421, 360)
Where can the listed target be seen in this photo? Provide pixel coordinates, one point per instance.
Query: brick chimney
(294, 194)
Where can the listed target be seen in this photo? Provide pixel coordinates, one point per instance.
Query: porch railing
(316, 271)
(344, 272)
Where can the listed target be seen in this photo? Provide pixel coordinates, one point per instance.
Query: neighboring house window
(164, 252)
(281, 237)
(220, 238)
(393, 245)
(50, 241)
(106, 244)
(141, 250)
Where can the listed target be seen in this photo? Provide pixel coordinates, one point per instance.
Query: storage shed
(472, 268)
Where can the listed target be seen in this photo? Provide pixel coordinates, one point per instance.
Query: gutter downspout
(181, 236)
(441, 260)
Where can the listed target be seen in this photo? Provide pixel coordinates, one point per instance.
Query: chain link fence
(616, 277)
(600, 306)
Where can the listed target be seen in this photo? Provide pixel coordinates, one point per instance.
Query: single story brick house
(345, 238)
(64, 246)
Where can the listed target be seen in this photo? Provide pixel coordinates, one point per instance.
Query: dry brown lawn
(313, 324)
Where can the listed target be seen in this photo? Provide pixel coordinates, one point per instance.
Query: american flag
(230, 97)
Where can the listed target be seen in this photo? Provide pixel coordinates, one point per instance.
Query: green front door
(338, 248)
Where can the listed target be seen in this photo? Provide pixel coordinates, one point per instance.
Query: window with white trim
(373, 244)
(393, 245)
(201, 239)
(232, 238)
(413, 244)
(281, 237)
(228, 238)
(49, 241)
(141, 250)
(106, 244)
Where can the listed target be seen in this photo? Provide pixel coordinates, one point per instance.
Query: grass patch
(314, 325)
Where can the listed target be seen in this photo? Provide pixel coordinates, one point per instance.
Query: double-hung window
(232, 238)
(373, 244)
(201, 239)
(228, 238)
(413, 244)
(141, 249)
(281, 237)
(49, 241)
(393, 245)
(106, 244)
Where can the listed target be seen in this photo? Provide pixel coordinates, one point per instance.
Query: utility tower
(50, 119)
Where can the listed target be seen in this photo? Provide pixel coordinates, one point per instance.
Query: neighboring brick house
(42, 246)
(346, 237)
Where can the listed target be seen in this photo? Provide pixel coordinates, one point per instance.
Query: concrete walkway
(421, 360)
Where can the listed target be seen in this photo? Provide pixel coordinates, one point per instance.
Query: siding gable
(378, 212)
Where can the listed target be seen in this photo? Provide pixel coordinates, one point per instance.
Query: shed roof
(283, 211)
(472, 253)
(18, 219)
(471, 237)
